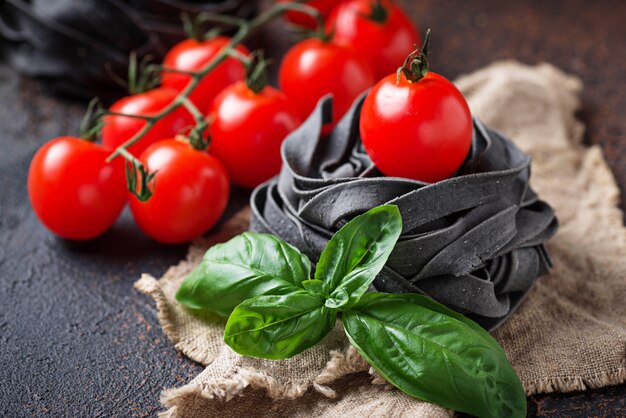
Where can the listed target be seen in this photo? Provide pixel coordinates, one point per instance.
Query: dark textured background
(77, 340)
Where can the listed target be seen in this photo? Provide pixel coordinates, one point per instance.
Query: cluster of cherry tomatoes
(78, 195)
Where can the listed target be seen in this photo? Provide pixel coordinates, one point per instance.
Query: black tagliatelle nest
(74, 45)
(473, 242)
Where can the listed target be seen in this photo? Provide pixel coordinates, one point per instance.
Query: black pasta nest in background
(74, 45)
(473, 242)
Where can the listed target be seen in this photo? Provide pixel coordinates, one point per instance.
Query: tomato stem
(245, 28)
(139, 180)
(378, 12)
(140, 77)
(298, 6)
(195, 112)
(193, 74)
(132, 72)
(194, 26)
(257, 77)
(196, 136)
(143, 75)
(303, 32)
(415, 66)
(243, 58)
(190, 27)
(92, 123)
(129, 115)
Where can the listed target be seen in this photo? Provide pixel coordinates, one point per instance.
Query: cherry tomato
(191, 191)
(314, 68)
(305, 20)
(73, 191)
(119, 129)
(247, 130)
(192, 55)
(420, 130)
(381, 32)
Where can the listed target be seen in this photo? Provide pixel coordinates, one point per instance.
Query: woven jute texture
(569, 334)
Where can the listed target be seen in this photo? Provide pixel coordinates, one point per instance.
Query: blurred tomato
(313, 68)
(191, 55)
(305, 20)
(378, 30)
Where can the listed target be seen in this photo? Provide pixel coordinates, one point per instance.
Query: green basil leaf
(315, 287)
(248, 265)
(358, 251)
(278, 327)
(434, 356)
(338, 299)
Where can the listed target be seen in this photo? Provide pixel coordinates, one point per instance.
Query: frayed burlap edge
(575, 384)
(340, 365)
(148, 285)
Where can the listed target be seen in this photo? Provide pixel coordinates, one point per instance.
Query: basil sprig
(278, 310)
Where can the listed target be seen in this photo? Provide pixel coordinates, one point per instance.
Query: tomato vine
(245, 28)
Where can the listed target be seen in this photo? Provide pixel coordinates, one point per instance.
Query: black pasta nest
(75, 45)
(473, 242)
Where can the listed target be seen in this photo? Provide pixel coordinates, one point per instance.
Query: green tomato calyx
(378, 12)
(415, 66)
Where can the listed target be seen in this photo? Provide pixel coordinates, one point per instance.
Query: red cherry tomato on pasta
(190, 193)
(73, 191)
(119, 129)
(247, 130)
(313, 68)
(378, 30)
(192, 55)
(420, 130)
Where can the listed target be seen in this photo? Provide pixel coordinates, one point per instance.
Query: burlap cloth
(569, 334)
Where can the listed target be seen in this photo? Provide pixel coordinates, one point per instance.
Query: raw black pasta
(75, 45)
(473, 242)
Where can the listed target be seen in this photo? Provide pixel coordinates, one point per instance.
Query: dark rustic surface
(77, 340)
